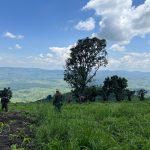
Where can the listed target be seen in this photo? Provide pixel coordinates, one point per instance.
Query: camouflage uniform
(4, 102)
(58, 101)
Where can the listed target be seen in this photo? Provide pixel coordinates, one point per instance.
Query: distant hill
(136, 79)
(30, 84)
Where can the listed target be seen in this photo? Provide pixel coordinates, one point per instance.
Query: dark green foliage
(106, 89)
(115, 85)
(85, 59)
(49, 97)
(102, 92)
(129, 94)
(141, 94)
(91, 93)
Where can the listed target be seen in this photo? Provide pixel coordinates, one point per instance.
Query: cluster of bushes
(113, 87)
(118, 86)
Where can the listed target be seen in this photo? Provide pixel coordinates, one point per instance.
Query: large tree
(85, 59)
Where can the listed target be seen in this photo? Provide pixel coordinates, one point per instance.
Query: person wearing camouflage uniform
(58, 101)
(4, 102)
(5, 95)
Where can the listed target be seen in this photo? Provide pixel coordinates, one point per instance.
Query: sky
(40, 33)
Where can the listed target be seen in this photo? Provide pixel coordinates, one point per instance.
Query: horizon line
(10, 67)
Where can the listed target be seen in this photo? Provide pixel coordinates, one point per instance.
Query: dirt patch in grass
(16, 130)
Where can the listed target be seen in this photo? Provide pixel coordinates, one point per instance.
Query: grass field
(95, 126)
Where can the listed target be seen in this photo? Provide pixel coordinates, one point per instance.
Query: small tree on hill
(116, 85)
(85, 59)
(129, 94)
(106, 89)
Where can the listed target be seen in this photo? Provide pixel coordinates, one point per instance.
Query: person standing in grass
(57, 102)
(4, 102)
(5, 95)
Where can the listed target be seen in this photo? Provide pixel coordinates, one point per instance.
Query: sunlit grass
(94, 126)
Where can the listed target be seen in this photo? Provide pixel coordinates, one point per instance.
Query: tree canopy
(116, 85)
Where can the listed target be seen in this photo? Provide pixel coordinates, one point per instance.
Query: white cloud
(131, 61)
(9, 35)
(17, 46)
(94, 35)
(13, 36)
(29, 57)
(44, 61)
(49, 55)
(86, 25)
(118, 48)
(41, 56)
(120, 20)
(55, 59)
(61, 52)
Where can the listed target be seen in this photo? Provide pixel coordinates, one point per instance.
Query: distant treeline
(113, 88)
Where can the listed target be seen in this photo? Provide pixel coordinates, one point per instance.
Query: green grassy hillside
(95, 126)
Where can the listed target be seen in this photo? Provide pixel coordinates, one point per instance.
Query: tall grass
(96, 126)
